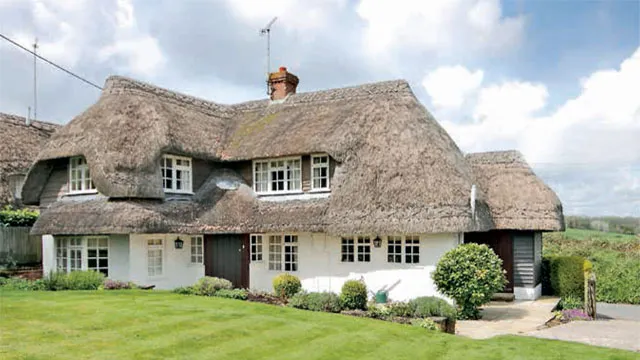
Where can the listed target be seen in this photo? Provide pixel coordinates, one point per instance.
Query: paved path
(619, 311)
(621, 334)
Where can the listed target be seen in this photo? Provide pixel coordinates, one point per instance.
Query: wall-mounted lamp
(179, 243)
(377, 242)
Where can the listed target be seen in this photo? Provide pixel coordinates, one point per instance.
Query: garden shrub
(84, 280)
(323, 301)
(286, 285)
(184, 290)
(238, 294)
(570, 302)
(54, 281)
(378, 311)
(354, 295)
(427, 324)
(16, 283)
(117, 285)
(207, 286)
(299, 301)
(566, 276)
(470, 274)
(401, 309)
(18, 217)
(426, 306)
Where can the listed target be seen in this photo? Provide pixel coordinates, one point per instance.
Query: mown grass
(153, 325)
(615, 258)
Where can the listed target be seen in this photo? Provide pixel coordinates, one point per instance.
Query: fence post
(590, 294)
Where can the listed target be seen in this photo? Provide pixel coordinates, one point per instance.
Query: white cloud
(448, 86)
(438, 25)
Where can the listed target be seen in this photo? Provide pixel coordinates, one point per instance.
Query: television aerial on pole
(267, 31)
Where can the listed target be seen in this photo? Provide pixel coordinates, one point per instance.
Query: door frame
(244, 262)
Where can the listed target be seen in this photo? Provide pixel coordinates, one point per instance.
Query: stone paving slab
(620, 334)
(619, 311)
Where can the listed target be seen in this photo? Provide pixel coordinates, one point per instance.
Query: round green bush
(470, 274)
(207, 286)
(323, 301)
(354, 295)
(426, 306)
(286, 285)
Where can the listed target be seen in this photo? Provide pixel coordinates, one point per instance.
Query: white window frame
(269, 180)
(275, 252)
(409, 249)
(187, 184)
(320, 166)
(394, 243)
(362, 243)
(256, 247)
(83, 175)
(281, 245)
(73, 252)
(155, 247)
(411, 242)
(347, 250)
(197, 249)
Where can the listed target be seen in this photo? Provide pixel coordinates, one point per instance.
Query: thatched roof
(399, 171)
(517, 198)
(19, 146)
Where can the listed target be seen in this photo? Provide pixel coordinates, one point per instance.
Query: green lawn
(581, 234)
(153, 325)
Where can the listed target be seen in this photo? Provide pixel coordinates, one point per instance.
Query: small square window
(256, 248)
(364, 249)
(347, 250)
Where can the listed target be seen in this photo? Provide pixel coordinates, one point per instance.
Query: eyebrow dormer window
(319, 172)
(80, 176)
(277, 176)
(176, 174)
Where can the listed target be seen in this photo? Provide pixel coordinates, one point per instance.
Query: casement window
(364, 249)
(410, 252)
(256, 248)
(283, 255)
(82, 253)
(319, 172)
(176, 174)
(155, 258)
(197, 250)
(347, 250)
(80, 176)
(277, 176)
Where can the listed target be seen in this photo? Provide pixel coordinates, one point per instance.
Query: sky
(558, 80)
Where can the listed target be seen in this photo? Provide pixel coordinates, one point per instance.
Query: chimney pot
(282, 83)
(282, 69)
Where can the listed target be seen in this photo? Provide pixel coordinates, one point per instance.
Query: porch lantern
(377, 242)
(178, 243)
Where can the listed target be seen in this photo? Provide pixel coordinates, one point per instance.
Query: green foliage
(427, 324)
(184, 290)
(55, 281)
(84, 280)
(378, 311)
(323, 301)
(16, 283)
(470, 274)
(354, 295)
(109, 284)
(566, 275)
(401, 309)
(570, 302)
(432, 306)
(286, 285)
(238, 294)
(299, 301)
(207, 286)
(18, 217)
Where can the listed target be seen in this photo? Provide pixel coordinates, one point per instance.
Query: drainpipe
(473, 202)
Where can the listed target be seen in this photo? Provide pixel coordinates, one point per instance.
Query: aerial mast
(35, 91)
(267, 31)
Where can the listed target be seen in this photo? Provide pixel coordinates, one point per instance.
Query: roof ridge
(21, 120)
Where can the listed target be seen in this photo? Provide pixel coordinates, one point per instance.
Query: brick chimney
(282, 83)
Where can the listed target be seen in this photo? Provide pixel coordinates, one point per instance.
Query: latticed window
(82, 253)
(394, 249)
(197, 250)
(256, 247)
(75, 254)
(347, 250)
(98, 254)
(412, 250)
(290, 253)
(79, 176)
(154, 257)
(319, 172)
(277, 176)
(176, 174)
(275, 252)
(364, 249)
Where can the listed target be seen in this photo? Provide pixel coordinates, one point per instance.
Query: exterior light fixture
(179, 243)
(377, 242)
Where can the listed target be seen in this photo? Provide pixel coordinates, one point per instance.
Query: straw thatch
(517, 198)
(19, 146)
(398, 170)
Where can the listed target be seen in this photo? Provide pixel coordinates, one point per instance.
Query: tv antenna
(267, 31)
(35, 91)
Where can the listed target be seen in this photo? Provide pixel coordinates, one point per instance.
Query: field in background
(615, 257)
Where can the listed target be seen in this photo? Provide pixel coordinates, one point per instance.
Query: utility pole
(35, 89)
(267, 31)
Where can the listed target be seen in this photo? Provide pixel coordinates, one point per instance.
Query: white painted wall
(119, 257)
(527, 293)
(177, 267)
(48, 254)
(320, 268)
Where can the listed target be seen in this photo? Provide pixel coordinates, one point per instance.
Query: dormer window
(80, 176)
(176, 174)
(319, 172)
(277, 176)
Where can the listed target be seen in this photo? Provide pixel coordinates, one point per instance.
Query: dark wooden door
(226, 256)
(501, 243)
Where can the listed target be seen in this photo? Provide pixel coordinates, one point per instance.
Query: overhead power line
(51, 63)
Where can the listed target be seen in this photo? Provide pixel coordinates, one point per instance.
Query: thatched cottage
(20, 142)
(162, 188)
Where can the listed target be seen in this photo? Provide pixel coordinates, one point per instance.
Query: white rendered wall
(527, 293)
(48, 254)
(119, 257)
(320, 268)
(177, 267)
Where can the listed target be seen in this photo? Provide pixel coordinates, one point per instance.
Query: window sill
(280, 193)
(172, 192)
(316, 191)
(85, 192)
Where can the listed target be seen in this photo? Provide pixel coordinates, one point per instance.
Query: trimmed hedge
(354, 295)
(286, 285)
(208, 286)
(316, 301)
(564, 276)
(427, 306)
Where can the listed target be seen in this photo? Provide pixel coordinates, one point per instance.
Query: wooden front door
(501, 243)
(227, 257)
